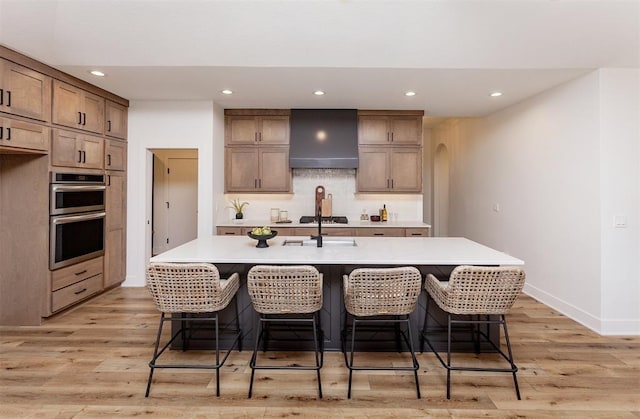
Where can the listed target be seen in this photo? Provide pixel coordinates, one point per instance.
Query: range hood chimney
(324, 139)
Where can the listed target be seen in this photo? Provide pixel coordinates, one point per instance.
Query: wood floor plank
(92, 362)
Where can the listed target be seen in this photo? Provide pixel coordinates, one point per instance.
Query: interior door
(183, 200)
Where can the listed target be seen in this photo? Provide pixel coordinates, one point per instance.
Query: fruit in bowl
(261, 231)
(262, 234)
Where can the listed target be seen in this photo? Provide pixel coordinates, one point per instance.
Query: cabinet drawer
(417, 232)
(75, 273)
(382, 231)
(76, 292)
(229, 231)
(329, 232)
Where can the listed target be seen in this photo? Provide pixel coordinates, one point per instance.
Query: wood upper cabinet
(256, 127)
(390, 169)
(257, 169)
(24, 92)
(23, 136)
(390, 128)
(115, 154)
(115, 207)
(72, 149)
(116, 120)
(77, 108)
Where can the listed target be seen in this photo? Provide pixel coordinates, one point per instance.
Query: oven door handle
(65, 219)
(77, 188)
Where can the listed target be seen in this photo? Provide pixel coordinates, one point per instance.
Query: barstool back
(285, 289)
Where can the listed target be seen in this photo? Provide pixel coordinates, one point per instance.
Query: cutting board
(327, 206)
(319, 198)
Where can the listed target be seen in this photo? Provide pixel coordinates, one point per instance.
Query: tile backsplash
(340, 183)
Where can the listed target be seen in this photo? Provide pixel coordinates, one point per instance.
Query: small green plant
(237, 205)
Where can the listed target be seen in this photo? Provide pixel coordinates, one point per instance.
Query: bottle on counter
(383, 213)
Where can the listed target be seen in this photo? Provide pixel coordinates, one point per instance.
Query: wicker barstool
(382, 297)
(476, 291)
(286, 295)
(188, 289)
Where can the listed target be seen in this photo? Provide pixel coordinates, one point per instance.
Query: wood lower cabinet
(257, 169)
(115, 229)
(74, 283)
(390, 169)
(72, 149)
(17, 135)
(76, 108)
(115, 154)
(334, 231)
(24, 92)
(116, 120)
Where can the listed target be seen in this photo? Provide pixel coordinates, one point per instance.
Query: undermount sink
(326, 242)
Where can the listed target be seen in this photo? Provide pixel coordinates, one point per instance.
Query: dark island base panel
(332, 319)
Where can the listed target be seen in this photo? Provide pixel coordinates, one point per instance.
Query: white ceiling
(364, 53)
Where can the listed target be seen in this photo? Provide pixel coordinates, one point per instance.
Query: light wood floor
(92, 362)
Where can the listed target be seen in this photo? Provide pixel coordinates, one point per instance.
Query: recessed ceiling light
(410, 93)
(496, 94)
(318, 93)
(227, 92)
(97, 73)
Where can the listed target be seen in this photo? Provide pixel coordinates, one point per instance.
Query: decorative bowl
(262, 239)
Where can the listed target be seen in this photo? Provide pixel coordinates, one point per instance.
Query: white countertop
(351, 224)
(369, 251)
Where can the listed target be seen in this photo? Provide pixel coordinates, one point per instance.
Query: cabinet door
(24, 92)
(373, 130)
(116, 121)
(64, 151)
(67, 105)
(93, 152)
(92, 112)
(380, 231)
(241, 169)
(23, 135)
(115, 155)
(241, 130)
(115, 207)
(406, 169)
(406, 130)
(275, 175)
(115, 200)
(373, 172)
(274, 130)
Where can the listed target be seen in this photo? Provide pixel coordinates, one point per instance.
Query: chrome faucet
(318, 238)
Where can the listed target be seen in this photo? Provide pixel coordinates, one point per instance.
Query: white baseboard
(597, 324)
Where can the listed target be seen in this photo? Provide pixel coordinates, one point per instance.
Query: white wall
(620, 185)
(539, 164)
(165, 125)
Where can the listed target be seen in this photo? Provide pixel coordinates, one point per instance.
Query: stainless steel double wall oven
(77, 218)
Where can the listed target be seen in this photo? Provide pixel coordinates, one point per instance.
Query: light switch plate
(620, 221)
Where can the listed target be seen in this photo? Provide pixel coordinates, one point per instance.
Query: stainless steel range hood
(324, 139)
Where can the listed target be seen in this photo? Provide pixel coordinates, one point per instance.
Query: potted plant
(238, 207)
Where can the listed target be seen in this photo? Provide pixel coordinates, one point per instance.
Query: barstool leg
(217, 357)
(448, 356)
(513, 366)
(252, 363)
(155, 355)
(353, 346)
(316, 346)
(413, 356)
(425, 324)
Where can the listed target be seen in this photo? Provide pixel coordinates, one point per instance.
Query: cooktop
(306, 219)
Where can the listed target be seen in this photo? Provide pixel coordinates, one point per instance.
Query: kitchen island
(436, 255)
